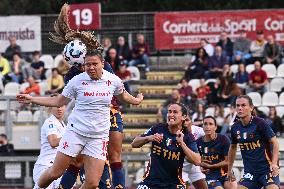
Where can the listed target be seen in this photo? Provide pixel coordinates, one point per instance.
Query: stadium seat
(276, 84)
(25, 116)
(3, 105)
(194, 83)
(14, 105)
(43, 87)
(256, 98)
(210, 81)
(234, 68)
(135, 73)
(280, 70)
(57, 59)
(11, 89)
(270, 69)
(270, 99)
(36, 116)
(48, 61)
(210, 111)
(227, 111)
(264, 109)
(280, 110)
(48, 73)
(281, 99)
(23, 86)
(250, 68)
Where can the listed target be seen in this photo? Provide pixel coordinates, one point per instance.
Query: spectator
(33, 88)
(12, 48)
(198, 116)
(241, 48)
(4, 72)
(227, 71)
(37, 66)
(140, 53)
(63, 67)
(228, 91)
(277, 126)
(107, 44)
(257, 47)
(272, 51)
(207, 47)
(242, 76)
(122, 49)
(202, 91)
(6, 149)
(21, 69)
(229, 120)
(112, 59)
(185, 90)
(257, 79)
(55, 82)
(124, 75)
(174, 98)
(197, 68)
(216, 63)
(227, 46)
(219, 116)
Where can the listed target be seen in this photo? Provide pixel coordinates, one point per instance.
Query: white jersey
(91, 114)
(51, 126)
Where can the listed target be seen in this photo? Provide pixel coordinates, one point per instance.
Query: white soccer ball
(75, 52)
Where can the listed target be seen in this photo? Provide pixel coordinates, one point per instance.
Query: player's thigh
(37, 171)
(61, 163)
(200, 184)
(115, 146)
(77, 161)
(272, 186)
(93, 169)
(230, 185)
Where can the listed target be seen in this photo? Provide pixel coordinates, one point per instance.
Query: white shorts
(192, 173)
(37, 171)
(72, 144)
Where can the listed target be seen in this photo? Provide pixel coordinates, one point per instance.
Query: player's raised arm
(128, 98)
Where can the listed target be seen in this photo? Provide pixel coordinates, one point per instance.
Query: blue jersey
(214, 152)
(253, 140)
(167, 157)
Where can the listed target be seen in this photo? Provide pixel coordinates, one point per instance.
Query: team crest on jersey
(50, 126)
(245, 135)
(108, 82)
(238, 135)
(169, 141)
(65, 145)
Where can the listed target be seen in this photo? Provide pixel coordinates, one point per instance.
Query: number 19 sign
(85, 16)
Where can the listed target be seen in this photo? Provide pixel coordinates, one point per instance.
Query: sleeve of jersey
(266, 130)
(191, 144)
(149, 132)
(69, 89)
(226, 145)
(50, 128)
(233, 137)
(119, 87)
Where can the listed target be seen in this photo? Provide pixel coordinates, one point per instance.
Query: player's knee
(55, 174)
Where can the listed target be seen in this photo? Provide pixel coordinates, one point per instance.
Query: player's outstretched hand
(274, 170)
(24, 98)
(139, 98)
(156, 137)
(180, 136)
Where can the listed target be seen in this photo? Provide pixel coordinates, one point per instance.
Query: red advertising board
(181, 30)
(86, 16)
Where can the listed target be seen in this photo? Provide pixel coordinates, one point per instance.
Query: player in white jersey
(192, 173)
(52, 131)
(88, 125)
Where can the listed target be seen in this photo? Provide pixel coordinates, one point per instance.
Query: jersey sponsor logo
(248, 176)
(143, 187)
(211, 157)
(245, 146)
(84, 83)
(167, 154)
(65, 145)
(212, 183)
(98, 93)
(50, 126)
(108, 82)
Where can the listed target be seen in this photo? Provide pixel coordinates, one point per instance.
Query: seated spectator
(4, 72)
(257, 79)
(257, 47)
(227, 46)
(202, 91)
(242, 76)
(197, 117)
(227, 71)
(63, 67)
(122, 49)
(6, 148)
(185, 90)
(272, 51)
(197, 68)
(212, 97)
(277, 126)
(207, 47)
(241, 48)
(228, 91)
(140, 53)
(33, 88)
(12, 48)
(174, 98)
(124, 75)
(219, 116)
(229, 120)
(37, 66)
(107, 44)
(21, 69)
(55, 82)
(112, 59)
(216, 63)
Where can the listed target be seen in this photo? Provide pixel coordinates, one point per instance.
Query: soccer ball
(75, 52)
